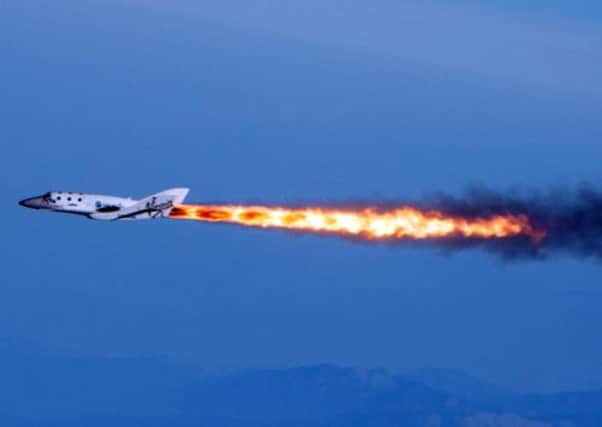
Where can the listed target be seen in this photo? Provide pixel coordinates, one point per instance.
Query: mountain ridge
(52, 389)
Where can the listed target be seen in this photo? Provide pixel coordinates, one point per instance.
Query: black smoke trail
(572, 221)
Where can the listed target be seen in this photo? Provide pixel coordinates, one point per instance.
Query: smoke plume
(572, 221)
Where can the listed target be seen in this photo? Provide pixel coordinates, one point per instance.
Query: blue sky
(285, 104)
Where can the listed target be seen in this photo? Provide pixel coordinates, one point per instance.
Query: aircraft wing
(155, 206)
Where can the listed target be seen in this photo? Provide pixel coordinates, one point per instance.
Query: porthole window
(58, 198)
(69, 199)
(79, 199)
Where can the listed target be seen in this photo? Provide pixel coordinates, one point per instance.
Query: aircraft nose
(32, 202)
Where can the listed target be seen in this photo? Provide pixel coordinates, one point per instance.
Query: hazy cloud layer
(550, 54)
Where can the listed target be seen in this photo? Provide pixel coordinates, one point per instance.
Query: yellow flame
(370, 223)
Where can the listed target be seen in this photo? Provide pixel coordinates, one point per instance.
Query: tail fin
(174, 195)
(157, 205)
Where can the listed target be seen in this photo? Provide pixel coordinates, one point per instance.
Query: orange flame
(370, 223)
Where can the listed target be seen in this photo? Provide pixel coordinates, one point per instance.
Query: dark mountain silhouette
(45, 389)
(458, 384)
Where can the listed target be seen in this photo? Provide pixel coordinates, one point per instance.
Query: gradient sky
(297, 102)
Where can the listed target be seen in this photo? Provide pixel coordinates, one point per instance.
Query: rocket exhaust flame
(402, 223)
(530, 226)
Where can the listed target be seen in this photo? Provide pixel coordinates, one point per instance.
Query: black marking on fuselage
(158, 208)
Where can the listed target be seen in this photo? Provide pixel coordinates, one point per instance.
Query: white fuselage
(104, 207)
(82, 203)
